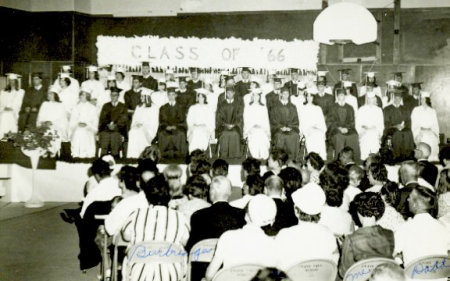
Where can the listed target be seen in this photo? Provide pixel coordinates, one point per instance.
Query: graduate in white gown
(53, 114)
(159, 98)
(312, 125)
(10, 103)
(298, 97)
(83, 127)
(144, 126)
(67, 94)
(200, 122)
(424, 125)
(369, 123)
(66, 72)
(93, 83)
(349, 98)
(257, 125)
(120, 80)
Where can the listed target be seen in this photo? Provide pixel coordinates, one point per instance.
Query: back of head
(309, 202)
(425, 200)
(157, 191)
(424, 150)
(334, 177)
(409, 171)
(220, 189)
(274, 186)
(292, 179)
(366, 204)
(261, 210)
(172, 174)
(391, 193)
(255, 184)
(100, 168)
(147, 169)
(378, 172)
(200, 166)
(279, 156)
(196, 155)
(252, 166)
(129, 175)
(334, 196)
(388, 272)
(347, 155)
(314, 160)
(355, 174)
(151, 152)
(220, 168)
(444, 155)
(196, 186)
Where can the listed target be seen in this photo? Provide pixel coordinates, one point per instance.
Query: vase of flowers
(35, 143)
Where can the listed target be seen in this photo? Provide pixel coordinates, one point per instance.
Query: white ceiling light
(343, 23)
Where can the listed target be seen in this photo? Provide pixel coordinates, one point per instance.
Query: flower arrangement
(41, 137)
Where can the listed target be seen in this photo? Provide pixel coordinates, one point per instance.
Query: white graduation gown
(159, 98)
(95, 86)
(144, 127)
(298, 101)
(9, 119)
(123, 85)
(369, 139)
(201, 124)
(313, 127)
(257, 130)
(74, 84)
(69, 99)
(55, 113)
(82, 139)
(425, 128)
(352, 101)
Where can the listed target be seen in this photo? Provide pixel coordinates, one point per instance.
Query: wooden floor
(36, 245)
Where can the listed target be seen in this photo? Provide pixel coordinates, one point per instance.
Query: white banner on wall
(207, 52)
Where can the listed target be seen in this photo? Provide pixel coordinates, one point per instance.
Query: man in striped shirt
(156, 223)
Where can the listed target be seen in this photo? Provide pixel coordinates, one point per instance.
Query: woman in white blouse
(83, 127)
(200, 122)
(144, 127)
(10, 102)
(424, 125)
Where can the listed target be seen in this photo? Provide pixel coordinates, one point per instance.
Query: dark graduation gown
(291, 86)
(31, 104)
(402, 141)
(339, 85)
(150, 83)
(132, 99)
(326, 103)
(229, 139)
(271, 100)
(191, 85)
(186, 99)
(172, 143)
(285, 116)
(242, 88)
(344, 117)
(112, 138)
(409, 102)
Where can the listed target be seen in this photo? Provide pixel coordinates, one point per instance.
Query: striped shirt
(156, 223)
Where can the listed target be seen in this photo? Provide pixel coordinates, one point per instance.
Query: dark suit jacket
(428, 171)
(285, 218)
(212, 222)
(118, 115)
(172, 116)
(402, 206)
(342, 116)
(242, 88)
(150, 83)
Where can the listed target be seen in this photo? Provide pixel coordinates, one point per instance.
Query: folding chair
(429, 267)
(238, 273)
(202, 251)
(312, 270)
(361, 270)
(117, 242)
(105, 265)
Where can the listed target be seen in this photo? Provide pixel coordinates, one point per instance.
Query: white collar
(38, 87)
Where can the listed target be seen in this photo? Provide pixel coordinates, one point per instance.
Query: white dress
(299, 102)
(82, 139)
(69, 99)
(369, 139)
(257, 130)
(352, 101)
(55, 113)
(9, 119)
(95, 86)
(159, 98)
(425, 128)
(139, 137)
(313, 127)
(74, 84)
(200, 123)
(123, 85)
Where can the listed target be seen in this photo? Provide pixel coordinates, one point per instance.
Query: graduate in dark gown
(397, 132)
(172, 128)
(323, 99)
(273, 97)
(342, 126)
(229, 125)
(148, 81)
(32, 101)
(242, 87)
(292, 84)
(345, 76)
(284, 125)
(413, 100)
(133, 97)
(195, 82)
(185, 97)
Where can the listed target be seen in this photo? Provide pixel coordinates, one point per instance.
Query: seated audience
(355, 174)
(370, 240)
(155, 223)
(293, 180)
(250, 166)
(219, 168)
(113, 124)
(250, 242)
(314, 164)
(346, 157)
(387, 272)
(151, 152)
(278, 159)
(172, 174)
(253, 185)
(192, 160)
(312, 240)
(443, 188)
(427, 170)
(391, 218)
(423, 234)
(408, 175)
(378, 176)
(196, 191)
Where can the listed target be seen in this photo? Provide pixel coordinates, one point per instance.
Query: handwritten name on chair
(439, 267)
(143, 252)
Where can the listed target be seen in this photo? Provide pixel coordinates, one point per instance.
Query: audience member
(377, 175)
(151, 152)
(370, 240)
(270, 274)
(314, 164)
(408, 175)
(253, 185)
(248, 245)
(196, 190)
(250, 166)
(172, 174)
(391, 218)
(333, 216)
(277, 161)
(443, 188)
(219, 168)
(387, 272)
(427, 170)
(355, 174)
(347, 157)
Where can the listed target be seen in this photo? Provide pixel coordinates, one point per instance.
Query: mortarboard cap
(345, 70)
(246, 68)
(322, 73)
(12, 76)
(182, 78)
(277, 79)
(92, 68)
(370, 74)
(120, 69)
(398, 73)
(145, 63)
(54, 89)
(417, 85)
(340, 91)
(424, 94)
(137, 76)
(37, 74)
(397, 92)
(194, 69)
(294, 70)
(310, 199)
(172, 84)
(64, 75)
(115, 90)
(322, 82)
(111, 77)
(162, 81)
(393, 83)
(347, 84)
(66, 67)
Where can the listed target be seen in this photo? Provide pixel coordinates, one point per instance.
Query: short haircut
(357, 170)
(280, 156)
(252, 166)
(220, 185)
(348, 151)
(388, 272)
(172, 171)
(220, 168)
(429, 198)
(157, 191)
(196, 186)
(378, 171)
(292, 179)
(130, 176)
(444, 154)
(391, 193)
(274, 184)
(149, 165)
(255, 184)
(410, 168)
(307, 217)
(195, 155)
(151, 152)
(334, 177)
(200, 166)
(101, 168)
(315, 160)
(334, 196)
(367, 204)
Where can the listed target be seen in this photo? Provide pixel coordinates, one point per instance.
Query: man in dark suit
(408, 175)
(242, 87)
(195, 82)
(172, 128)
(147, 80)
(113, 124)
(133, 97)
(427, 170)
(292, 84)
(31, 103)
(274, 96)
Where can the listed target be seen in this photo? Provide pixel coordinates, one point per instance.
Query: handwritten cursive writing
(434, 267)
(358, 274)
(142, 252)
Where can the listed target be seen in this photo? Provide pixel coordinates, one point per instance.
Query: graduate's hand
(111, 126)
(27, 109)
(138, 125)
(82, 124)
(33, 109)
(288, 129)
(230, 126)
(344, 130)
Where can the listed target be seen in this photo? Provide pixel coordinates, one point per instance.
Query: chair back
(429, 268)
(238, 273)
(203, 251)
(156, 252)
(313, 270)
(361, 270)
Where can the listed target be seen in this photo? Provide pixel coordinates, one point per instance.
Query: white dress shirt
(337, 220)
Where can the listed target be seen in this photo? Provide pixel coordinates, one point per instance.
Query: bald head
(220, 189)
(273, 186)
(423, 151)
(409, 171)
